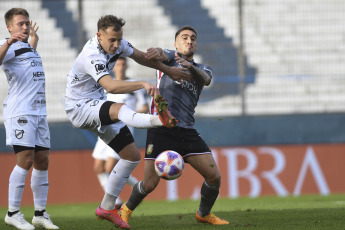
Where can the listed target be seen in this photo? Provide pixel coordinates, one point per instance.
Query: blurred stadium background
(279, 73)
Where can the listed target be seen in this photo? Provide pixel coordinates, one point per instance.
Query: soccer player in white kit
(105, 157)
(25, 119)
(87, 107)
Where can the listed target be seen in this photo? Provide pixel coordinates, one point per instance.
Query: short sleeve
(126, 48)
(95, 66)
(170, 54)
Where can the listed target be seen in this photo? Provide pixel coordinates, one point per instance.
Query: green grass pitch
(304, 212)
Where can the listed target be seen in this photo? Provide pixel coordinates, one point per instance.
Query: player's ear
(175, 45)
(98, 35)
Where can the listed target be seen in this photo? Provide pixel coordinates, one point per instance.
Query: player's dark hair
(185, 28)
(110, 21)
(14, 11)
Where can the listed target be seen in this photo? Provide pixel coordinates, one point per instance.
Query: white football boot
(43, 222)
(17, 220)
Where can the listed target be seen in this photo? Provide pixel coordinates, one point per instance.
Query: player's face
(20, 24)
(186, 43)
(109, 39)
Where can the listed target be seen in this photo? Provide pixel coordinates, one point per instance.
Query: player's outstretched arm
(33, 35)
(175, 73)
(122, 87)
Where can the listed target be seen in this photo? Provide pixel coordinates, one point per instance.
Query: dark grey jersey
(182, 98)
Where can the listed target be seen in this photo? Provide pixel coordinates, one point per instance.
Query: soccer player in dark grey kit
(182, 97)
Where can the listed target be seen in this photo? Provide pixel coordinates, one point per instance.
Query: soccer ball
(169, 165)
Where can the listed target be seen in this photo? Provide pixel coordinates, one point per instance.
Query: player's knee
(41, 163)
(214, 178)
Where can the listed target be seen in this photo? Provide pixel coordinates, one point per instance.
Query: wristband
(8, 43)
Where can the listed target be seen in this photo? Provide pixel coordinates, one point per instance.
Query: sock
(134, 119)
(155, 121)
(40, 187)
(108, 202)
(103, 179)
(137, 195)
(209, 194)
(16, 188)
(118, 201)
(132, 180)
(117, 179)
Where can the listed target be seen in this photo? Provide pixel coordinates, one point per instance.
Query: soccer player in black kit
(182, 97)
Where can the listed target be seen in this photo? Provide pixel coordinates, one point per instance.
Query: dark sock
(39, 213)
(137, 195)
(12, 213)
(209, 194)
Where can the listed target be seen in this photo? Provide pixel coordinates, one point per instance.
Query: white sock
(16, 188)
(132, 180)
(103, 180)
(117, 179)
(118, 201)
(155, 121)
(40, 187)
(137, 120)
(119, 176)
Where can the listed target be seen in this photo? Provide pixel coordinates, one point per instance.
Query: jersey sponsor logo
(149, 149)
(22, 121)
(35, 63)
(190, 86)
(38, 74)
(100, 68)
(19, 133)
(94, 103)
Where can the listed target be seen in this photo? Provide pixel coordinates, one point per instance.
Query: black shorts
(184, 141)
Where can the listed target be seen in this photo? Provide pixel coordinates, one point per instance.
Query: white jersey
(26, 81)
(133, 100)
(92, 64)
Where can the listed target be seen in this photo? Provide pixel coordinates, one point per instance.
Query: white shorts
(85, 115)
(27, 130)
(102, 151)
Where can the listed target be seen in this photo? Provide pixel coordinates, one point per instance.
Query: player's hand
(150, 89)
(154, 54)
(20, 36)
(179, 74)
(183, 62)
(33, 30)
